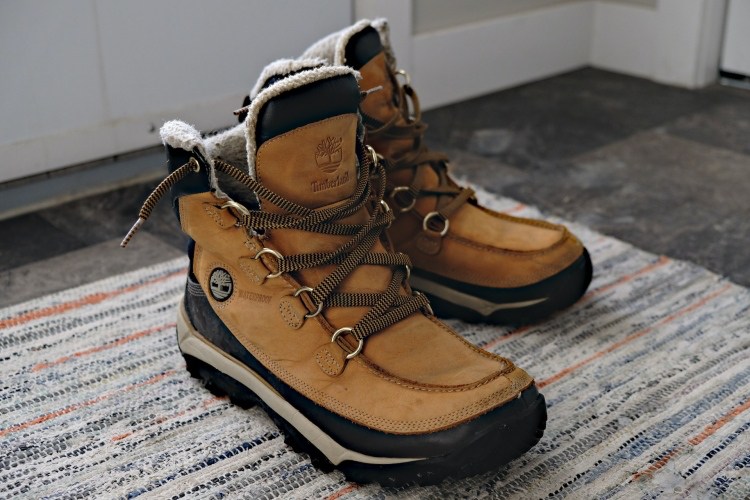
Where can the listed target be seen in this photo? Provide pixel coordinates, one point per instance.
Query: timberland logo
(255, 297)
(220, 284)
(328, 154)
(325, 184)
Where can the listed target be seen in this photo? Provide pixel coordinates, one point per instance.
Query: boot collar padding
(181, 135)
(300, 79)
(237, 145)
(282, 67)
(332, 48)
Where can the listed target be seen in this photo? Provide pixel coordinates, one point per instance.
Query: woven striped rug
(647, 381)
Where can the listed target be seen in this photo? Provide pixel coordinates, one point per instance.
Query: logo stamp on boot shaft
(325, 184)
(328, 154)
(220, 284)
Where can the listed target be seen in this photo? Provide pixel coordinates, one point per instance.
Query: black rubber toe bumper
(506, 306)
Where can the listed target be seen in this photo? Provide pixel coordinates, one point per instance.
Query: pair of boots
(310, 222)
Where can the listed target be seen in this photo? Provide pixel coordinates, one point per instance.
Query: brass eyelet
(347, 329)
(276, 254)
(196, 166)
(446, 223)
(386, 207)
(403, 189)
(309, 290)
(408, 272)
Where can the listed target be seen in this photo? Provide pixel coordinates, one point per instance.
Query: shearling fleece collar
(237, 145)
(332, 48)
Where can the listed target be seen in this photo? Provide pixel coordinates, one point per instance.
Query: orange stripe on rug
(343, 491)
(77, 406)
(205, 404)
(516, 208)
(104, 347)
(499, 340)
(654, 467)
(567, 371)
(628, 277)
(624, 279)
(711, 429)
(695, 440)
(94, 298)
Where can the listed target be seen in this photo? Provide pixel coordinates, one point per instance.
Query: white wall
(85, 79)
(670, 41)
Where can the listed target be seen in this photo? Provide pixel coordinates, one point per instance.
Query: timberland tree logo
(220, 284)
(328, 154)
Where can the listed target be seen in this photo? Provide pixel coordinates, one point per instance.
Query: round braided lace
(386, 308)
(450, 196)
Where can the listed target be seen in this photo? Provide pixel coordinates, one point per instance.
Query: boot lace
(387, 307)
(450, 195)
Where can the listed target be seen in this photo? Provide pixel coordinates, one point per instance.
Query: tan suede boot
(292, 301)
(473, 263)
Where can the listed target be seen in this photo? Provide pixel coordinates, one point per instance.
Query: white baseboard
(71, 147)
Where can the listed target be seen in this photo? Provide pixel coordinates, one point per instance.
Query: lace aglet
(132, 232)
(367, 92)
(238, 112)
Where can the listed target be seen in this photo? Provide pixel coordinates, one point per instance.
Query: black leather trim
(307, 104)
(547, 287)
(243, 114)
(362, 47)
(345, 432)
(192, 183)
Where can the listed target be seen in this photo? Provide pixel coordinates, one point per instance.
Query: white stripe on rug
(647, 381)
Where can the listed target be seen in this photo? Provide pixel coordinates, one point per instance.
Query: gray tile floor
(664, 168)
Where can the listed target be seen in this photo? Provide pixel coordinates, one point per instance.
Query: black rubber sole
(562, 290)
(522, 428)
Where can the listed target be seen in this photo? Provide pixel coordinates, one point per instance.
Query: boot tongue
(365, 52)
(306, 141)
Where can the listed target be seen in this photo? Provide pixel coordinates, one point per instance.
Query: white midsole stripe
(483, 307)
(193, 343)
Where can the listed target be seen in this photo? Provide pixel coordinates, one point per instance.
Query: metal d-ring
(347, 329)
(446, 222)
(376, 157)
(403, 189)
(406, 76)
(309, 290)
(276, 254)
(233, 204)
(428, 306)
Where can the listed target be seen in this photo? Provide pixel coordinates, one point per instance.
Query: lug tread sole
(524, 431)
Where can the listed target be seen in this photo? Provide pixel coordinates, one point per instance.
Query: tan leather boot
(292, 301)
(473, 263)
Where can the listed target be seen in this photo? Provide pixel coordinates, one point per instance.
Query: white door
(458, 50)
(735, 56)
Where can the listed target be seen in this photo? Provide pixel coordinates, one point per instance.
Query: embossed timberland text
(324, 184)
